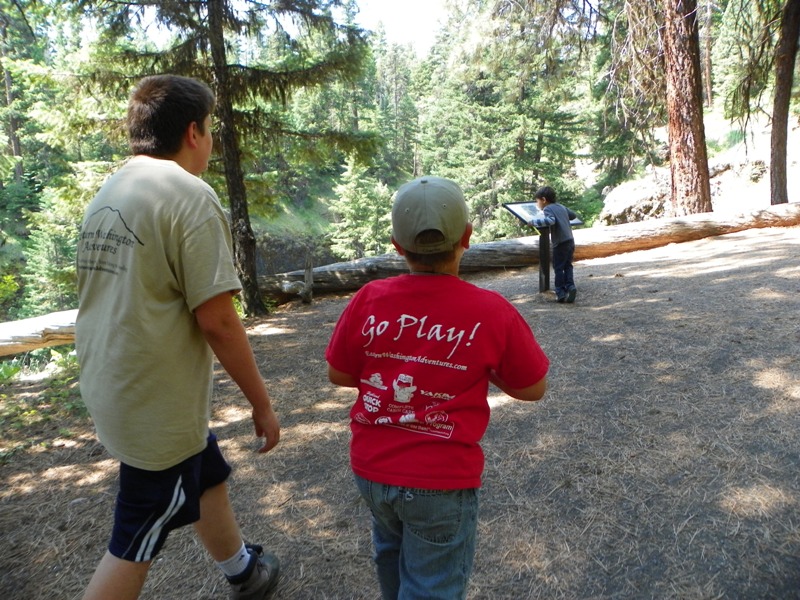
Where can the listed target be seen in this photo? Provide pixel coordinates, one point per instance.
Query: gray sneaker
(571, 295)
(262, 579)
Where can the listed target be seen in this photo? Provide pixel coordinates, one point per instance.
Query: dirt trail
(663, 462)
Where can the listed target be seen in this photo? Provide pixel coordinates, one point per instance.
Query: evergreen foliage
(255, 56)
(363, 210)
(743, 54)
(326, 121)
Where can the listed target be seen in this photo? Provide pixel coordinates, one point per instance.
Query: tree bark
(708, 80)
(15, 147)
(244, 241)
(55, 329)
(785, 55)
(691, 189)
(593, 242)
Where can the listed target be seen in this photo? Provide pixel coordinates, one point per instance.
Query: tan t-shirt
(154, 245)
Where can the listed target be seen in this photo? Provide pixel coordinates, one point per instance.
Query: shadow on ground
(663, 462)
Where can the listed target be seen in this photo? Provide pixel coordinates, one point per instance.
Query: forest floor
(662, 463)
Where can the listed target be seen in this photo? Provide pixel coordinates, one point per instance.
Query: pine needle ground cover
(662, 463)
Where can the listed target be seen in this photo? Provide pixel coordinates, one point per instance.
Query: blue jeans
(562, 266)
(424, 540)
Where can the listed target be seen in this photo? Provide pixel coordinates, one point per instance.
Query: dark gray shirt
(557, 217)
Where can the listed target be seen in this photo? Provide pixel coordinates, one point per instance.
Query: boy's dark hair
(547, 193)
(437, 259)
(160, 110)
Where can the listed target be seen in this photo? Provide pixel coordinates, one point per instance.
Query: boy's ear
(465, 237)
(191, 135)
(397, 247)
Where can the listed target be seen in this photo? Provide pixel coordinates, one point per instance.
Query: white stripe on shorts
(145, 552)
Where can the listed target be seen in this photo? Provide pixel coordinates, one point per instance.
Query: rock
(637, 200)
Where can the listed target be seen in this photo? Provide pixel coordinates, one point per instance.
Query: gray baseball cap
(429, 203)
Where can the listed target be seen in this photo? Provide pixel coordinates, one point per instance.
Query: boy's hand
(267, 425)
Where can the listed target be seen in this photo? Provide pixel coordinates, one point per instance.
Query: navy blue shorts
(150, 504)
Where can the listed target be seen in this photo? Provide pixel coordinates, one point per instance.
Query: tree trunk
(539, 147)
(55, 329)
(244, 241)
(785, 55)
(12, 131)
(707, 74)
(691, 190)
(593, 242)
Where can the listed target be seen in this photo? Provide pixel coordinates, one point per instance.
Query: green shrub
(9, 370)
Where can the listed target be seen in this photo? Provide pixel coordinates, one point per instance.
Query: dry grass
(663, 462)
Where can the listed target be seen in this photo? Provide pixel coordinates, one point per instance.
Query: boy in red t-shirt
(422, 348)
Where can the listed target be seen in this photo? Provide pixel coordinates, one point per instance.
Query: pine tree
(214, 40)
(363, 210)
(691, 189)
(500, 112)
(785, 58)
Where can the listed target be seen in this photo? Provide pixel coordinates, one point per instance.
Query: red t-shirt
(422, 348)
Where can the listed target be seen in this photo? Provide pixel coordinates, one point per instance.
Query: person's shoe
(571, 295)
(561, 299)
(261, 580)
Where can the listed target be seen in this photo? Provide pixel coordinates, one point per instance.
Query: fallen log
(55, 329)
(593, 242)
(596, 242)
